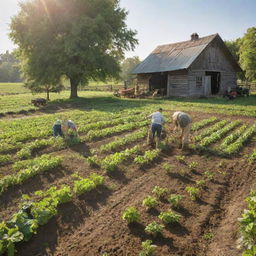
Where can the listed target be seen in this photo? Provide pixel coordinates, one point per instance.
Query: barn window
(199, 81)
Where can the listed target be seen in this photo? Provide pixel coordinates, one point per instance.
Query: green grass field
(10, 88)
(89, 100)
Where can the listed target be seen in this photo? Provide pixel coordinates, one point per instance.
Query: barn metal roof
(175, 56)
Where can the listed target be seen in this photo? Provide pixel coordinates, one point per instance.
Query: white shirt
(157, 118)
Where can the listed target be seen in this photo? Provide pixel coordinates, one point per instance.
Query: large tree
(79, 39)
(127, 66)
(248, 54)
(234, 48)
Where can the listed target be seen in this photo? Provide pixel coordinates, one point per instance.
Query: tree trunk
(74, 84)
(48, 94)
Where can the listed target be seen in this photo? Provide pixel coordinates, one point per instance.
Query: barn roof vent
(194, 36)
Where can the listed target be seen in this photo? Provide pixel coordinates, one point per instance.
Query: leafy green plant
(209, 175)
(175, 199)
(92, 161)
(149, 202)
(180, 158)
(198, 125)
(248, 226)
(148, 249)
(168, 167)
(193, 192)
(193, 165)
(208, 236)
(200, 183)
(131, 215)
(238, 144)
(169, 217)
(217, 135)
(211, 130)
(154, 228)
(111, 162)
(160, 192)
(148, 157)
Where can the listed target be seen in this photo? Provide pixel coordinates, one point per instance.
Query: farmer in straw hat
(183, 121)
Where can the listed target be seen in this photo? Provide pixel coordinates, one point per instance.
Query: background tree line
(244, 51)
(9, 70)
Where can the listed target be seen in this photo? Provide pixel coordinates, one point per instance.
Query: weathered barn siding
(194, 89)
(228, 80)
(213, 58)
(177, 83)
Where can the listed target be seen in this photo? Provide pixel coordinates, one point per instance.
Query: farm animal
(157, 121)
(39, 102)
(183, 121)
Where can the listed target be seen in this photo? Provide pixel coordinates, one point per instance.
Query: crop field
(108, 192)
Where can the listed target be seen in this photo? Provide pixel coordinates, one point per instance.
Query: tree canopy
(127, 66)
(248, 54)
(9, 70)
(78, 39)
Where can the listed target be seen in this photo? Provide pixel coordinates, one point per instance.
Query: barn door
(207, 85)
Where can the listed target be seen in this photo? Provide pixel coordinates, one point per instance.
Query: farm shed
(198, 67)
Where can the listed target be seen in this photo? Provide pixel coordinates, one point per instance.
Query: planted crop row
(198, 125)
(117, 143)
(219, 134)
(46, 163)
(238, 144)
(42, 127)
(148, 157)
(248, 226)
(232, 137)
(111, 162)
(210, 130)
(26, 222)
(98, 134)
(103, 124)
(5, 159)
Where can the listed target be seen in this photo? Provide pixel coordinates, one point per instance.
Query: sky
(165, 21)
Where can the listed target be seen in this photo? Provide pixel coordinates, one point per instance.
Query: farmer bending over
(57, 131)
(157, 121)
(70, 128)
(183, 121)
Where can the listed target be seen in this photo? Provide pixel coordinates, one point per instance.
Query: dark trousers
(57, 130)
(156, 129)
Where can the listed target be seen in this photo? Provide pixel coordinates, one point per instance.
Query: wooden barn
(198, 67)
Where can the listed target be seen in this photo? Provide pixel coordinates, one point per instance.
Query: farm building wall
(143, 81)
(212, 59)
(178, 83)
